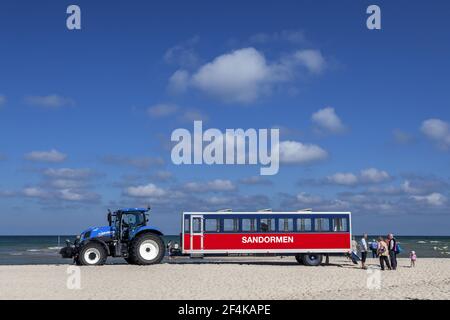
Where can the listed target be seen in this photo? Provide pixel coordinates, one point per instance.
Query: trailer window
(340, 225)
(267, 225)
(304, 224)
(249, 225)
(231, 225)
(322, 224)
(286, 225)
(212, 225)
(196, 225)
(187, 225)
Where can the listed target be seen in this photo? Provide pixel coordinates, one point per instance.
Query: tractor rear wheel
(147, 248)
(92, 254)
(312, 259)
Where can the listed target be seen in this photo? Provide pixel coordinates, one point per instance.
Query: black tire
(129, 260)
(147, 248)
(312, 259)
(77, 261)
(92, 254)
(299, 258)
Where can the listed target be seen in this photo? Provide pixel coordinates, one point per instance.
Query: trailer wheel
(312, 259)
(299, 258)
(147, 248)
(92, 254)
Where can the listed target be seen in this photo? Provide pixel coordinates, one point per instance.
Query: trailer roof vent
(225, 210)
(265, 210)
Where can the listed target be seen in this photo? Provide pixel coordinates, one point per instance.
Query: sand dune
(235, 278)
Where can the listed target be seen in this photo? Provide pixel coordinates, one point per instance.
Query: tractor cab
(125, 222)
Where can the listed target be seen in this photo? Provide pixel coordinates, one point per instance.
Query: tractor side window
(187, 225)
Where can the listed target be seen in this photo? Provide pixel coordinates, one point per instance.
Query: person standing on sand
(383, 253)
(413, 258)
(392, 245)
(364, 249)
(374, 248)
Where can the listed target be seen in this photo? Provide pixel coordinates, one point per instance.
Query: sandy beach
(233, 278)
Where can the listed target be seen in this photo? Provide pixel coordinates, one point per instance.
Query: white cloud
(183, 54)
(244, 75)
(76, 195)
(139, 162)
(52, 101)
(68, 173)
(217, 185)
(328, 120)
(311, 59)
(373, 175)
(34, 192)
(293, 152)
(433, 199)
(66, 183)
(255, 180)
(438, 131)
(237, 76)
(308, 199)
(46, 156)
(147, 191)
(366, 176)
(346, 179)
(179, 81)
(182, 114)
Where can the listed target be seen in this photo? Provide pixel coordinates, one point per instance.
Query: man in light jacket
(363, 248)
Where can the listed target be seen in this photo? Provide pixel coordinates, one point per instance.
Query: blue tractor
(127, 236)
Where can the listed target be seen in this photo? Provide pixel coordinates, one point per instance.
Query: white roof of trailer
(263, 212)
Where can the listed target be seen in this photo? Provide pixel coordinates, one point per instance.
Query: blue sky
(86, 115)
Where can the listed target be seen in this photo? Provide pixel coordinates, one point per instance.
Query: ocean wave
(421, 242)
(34, 250)
(54, 248)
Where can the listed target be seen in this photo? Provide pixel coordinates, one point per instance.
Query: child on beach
(413, 258)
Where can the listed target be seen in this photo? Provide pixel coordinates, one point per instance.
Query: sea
(24, 250)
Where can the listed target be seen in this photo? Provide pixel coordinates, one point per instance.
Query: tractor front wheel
(147, 248)
(92, 254)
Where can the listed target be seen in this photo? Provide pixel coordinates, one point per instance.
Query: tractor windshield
(133, 219)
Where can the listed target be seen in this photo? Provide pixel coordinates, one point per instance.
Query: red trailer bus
(306, 235)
